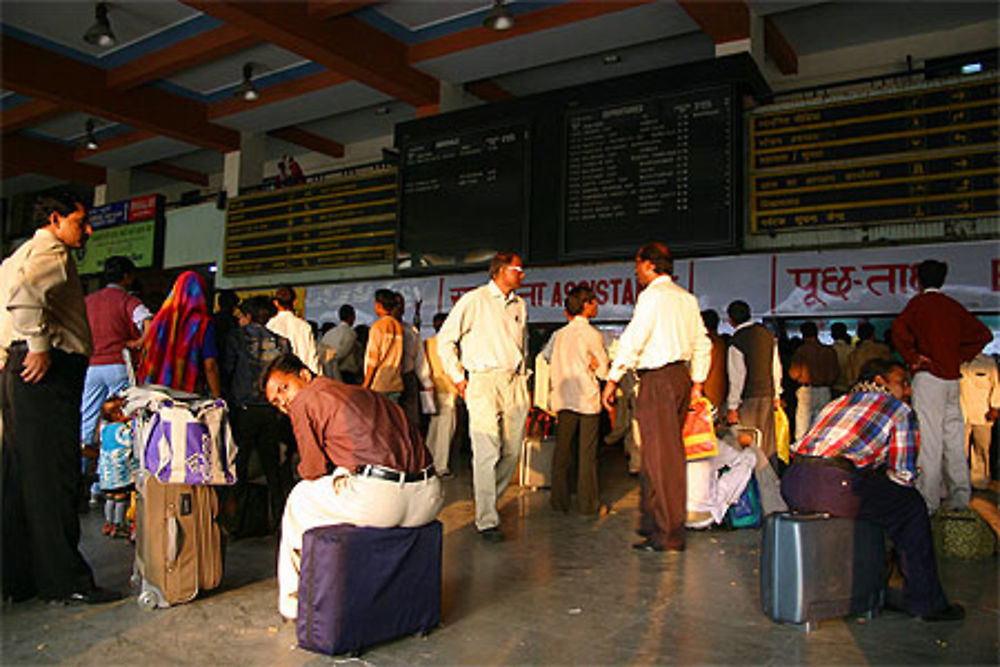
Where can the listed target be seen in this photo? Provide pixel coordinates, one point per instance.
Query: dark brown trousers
(664, 394)
(584, 428)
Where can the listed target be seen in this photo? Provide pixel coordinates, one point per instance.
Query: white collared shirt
(483, 332)
(666, 326)
(569, 353)
(299, 334)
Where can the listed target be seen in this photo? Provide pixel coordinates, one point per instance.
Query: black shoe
(95, 595)
(647, 545)
(951, 612)
(491, 535)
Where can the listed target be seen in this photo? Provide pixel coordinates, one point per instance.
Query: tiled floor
(561, 589)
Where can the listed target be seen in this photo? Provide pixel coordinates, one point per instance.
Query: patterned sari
(172, 354)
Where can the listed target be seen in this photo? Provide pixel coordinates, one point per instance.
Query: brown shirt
(342, 425)
(814, 364)
(717, 381)
(865, 351)
(385, 354)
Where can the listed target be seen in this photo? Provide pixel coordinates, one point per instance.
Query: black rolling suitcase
(815, 567)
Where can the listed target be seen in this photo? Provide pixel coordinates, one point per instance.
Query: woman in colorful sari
(180, 349)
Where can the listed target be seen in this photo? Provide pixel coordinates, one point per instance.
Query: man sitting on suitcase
(362, 463)
(859, 460)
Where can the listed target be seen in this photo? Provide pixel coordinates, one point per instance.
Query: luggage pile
(184, 446)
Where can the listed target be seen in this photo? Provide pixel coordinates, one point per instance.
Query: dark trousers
(41, 477)
(664, 395)
(899, 510)
(584, 428)
(409, 400)
(259, 429)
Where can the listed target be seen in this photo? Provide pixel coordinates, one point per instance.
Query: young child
(115, 465)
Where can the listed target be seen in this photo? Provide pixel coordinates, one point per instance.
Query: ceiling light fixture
(382, 111)
(90, 139)
(499, 17)
(100, 34)
(611, 59)
(246, 89)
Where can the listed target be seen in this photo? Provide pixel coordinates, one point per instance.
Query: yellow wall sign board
(135, 240)
(343, 222)
(925, 154)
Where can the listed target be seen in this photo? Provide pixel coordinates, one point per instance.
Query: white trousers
(810, 400)
(498, 405)
(441, 430)
(977, 450)
(944, 472)
(347, 498)
(716, 483)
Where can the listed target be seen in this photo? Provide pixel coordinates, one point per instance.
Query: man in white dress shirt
(578, 358)
(340, 360)
(298, 332)
(484, 337)
(667, 342)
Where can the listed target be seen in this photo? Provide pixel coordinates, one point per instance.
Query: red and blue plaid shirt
(870, 429)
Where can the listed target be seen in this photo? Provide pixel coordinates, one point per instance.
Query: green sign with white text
(135, 240)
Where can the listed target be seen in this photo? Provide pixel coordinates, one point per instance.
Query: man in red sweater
(935, 334)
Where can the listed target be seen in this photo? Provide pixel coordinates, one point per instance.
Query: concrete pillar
(245, 167)
(451, 97)
(116, 187)
(754, 44)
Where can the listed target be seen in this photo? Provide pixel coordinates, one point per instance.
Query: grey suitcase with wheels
(815, 567)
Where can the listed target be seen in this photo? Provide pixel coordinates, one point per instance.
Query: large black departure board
(920, 155)
(344, 222)
(464, 195)
(656, 168)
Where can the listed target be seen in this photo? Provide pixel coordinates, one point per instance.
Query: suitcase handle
(173, 535)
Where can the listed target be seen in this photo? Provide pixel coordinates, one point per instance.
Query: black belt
(642, 371)
(831, 461)
(390, 475)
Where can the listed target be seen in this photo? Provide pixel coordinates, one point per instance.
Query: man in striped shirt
(860, 460)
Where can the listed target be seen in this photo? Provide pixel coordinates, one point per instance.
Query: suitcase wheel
(147, 600)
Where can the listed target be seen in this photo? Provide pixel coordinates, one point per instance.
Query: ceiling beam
(723, 21)
(780, 49)
(345, 45)
(328, 9)
(525, 24)
(112, 143)
(41, 74)
(51, 158)
(177, 173)
(28, 114)
(183, 55)
(313, 142)
(277, 93)
(8, 170)
(488, 91)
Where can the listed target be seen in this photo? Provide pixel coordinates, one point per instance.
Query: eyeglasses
(519, 269)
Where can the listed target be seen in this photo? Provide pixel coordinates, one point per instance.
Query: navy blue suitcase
(362, 586)
(815, 567)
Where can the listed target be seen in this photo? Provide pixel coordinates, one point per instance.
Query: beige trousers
(977, 450)
(441, 430)
(498, 405)
(346, 498)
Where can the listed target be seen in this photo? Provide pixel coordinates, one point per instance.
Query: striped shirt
(870, 429)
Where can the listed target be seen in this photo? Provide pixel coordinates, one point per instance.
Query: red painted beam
(175, 172)
(313, 142)
(527, 23)
(328, 9)
(49, 77)
(725, 21)
(780, 49)
(8, 170)
(345, 45)
(39, 156)
(489, 91)
(28, 114)
(183, 55)
(118, 141)
(277, 93)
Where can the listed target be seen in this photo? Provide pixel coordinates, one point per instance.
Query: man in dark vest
(754, 375)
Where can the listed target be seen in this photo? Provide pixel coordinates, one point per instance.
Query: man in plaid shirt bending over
(860, 460)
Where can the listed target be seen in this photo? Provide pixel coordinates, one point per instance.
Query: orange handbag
(699, 431)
